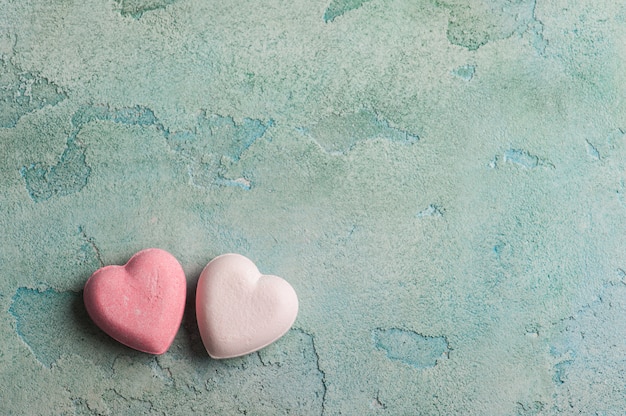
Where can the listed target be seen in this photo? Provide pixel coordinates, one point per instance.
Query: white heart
(240, 310)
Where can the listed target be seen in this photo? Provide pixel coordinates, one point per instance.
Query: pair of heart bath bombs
(238, 309)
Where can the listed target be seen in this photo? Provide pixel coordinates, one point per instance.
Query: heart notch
(240, 310)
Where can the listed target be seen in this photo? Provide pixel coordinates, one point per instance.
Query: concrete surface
(441, 181)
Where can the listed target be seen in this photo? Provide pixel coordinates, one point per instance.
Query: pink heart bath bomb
(239, 310)
(140, 304)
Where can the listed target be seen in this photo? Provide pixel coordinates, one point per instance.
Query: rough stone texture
(442, 182)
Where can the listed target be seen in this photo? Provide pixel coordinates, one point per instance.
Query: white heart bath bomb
(240, 310)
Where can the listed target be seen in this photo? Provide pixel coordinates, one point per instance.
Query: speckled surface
(442, 182)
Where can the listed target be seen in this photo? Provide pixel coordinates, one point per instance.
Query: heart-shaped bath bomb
(140, 304)
(240, 310)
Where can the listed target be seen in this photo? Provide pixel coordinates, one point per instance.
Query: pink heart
(239, 310)
(139, 304)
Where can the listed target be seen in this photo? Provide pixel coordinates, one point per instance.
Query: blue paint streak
(338, 134)
(68, 176)
(465, 72)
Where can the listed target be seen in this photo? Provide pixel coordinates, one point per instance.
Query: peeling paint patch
(592, 151)
(474, 24)
(54, 324)
(465, 72)
(71, 173)
(588, 349)
(23, 92)
(214, 145)
(432, 210)
(338, 8)
(68, 176)
(409, 347)
(338, 134)
(136, 8)
(210, 149)
(521, 158)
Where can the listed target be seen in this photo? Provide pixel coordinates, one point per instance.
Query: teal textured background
(442, 182)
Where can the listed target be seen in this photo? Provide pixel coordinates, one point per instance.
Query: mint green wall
(442, 182)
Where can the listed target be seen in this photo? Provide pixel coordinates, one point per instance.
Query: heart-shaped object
(140, 304)
(240, 310)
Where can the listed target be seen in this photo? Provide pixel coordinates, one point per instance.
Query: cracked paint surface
(440, 181)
